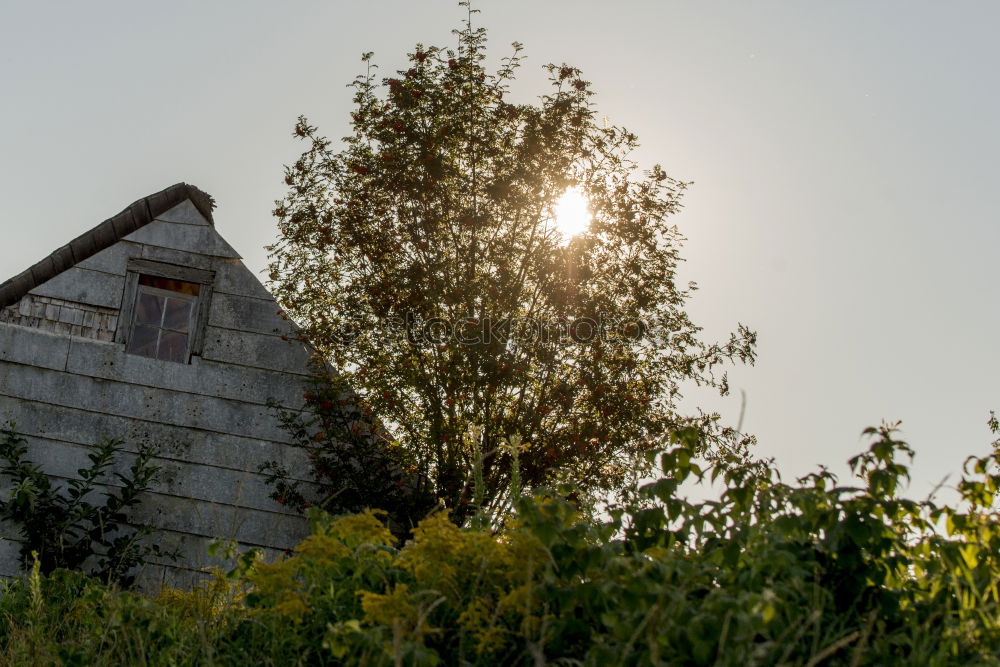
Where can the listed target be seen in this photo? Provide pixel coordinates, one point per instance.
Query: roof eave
(135, 216)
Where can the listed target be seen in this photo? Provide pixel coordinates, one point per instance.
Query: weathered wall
(66, 384)
(59, 316)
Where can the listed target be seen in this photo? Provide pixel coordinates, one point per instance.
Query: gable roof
(111, 231)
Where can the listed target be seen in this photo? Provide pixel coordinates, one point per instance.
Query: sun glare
(572, 213)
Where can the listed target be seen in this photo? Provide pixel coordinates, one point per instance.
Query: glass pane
(173, 285)
(178, 315)
(149, 309)
(143, 341)
(173, 346)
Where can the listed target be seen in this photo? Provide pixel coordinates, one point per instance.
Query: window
(161, 327)
(163, 310)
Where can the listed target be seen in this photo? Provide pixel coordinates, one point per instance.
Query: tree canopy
(422, 257)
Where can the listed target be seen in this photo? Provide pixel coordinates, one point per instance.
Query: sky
(844, 160)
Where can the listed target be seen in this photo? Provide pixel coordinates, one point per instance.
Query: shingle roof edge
(104, 235)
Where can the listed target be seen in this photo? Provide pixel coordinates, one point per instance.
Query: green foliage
(62, 528)
(353, 463)
(354, 466)
(768, 573)
(422, 259)
(67, 618)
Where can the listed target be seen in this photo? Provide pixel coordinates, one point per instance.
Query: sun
(572, 213)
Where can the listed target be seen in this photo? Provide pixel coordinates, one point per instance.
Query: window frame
(161, 329)
(199, 316)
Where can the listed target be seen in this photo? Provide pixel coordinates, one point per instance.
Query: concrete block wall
(66, 388)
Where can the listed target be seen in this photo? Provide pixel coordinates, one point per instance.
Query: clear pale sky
(845, 160)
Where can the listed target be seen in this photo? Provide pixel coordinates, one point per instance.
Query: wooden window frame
(205, 280)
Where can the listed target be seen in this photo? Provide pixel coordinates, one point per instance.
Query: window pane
(143, 341)
(149, 309)
(172, 285)
(178, 315)
(173, 346)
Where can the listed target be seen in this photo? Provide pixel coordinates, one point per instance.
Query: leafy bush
(806, 573)
(353, 463)
(62, 528)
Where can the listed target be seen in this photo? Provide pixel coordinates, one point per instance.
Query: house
(149, 328)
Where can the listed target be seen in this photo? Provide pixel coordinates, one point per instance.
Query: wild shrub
(353, 464)
(811, 572)
(768, 573)
(63, 527)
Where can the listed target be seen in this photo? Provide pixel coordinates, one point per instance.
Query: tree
(422, 259)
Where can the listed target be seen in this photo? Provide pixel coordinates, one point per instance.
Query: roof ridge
(135, 216)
